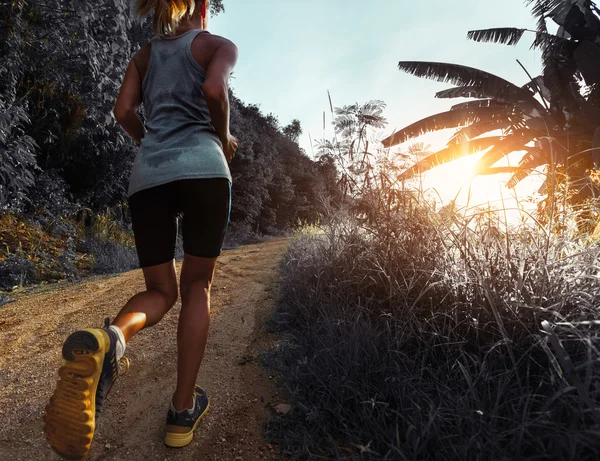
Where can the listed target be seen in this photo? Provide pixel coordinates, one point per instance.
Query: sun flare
(458, 181)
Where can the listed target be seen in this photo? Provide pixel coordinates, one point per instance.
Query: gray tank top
(180, 142)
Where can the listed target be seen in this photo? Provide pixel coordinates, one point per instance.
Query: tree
(554, 119)
(293, 131)
(60, 148)
(352, 151)
(274, 183)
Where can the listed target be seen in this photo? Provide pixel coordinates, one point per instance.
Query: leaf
(498, 170)
(449, 154)
(531, 160)
(506, 146)
(481, 103)
(477, 129)
(587, 56)
(506, 35)
(545, 8)
(538, 83)
(486, 83)
(450, 119)
(461, 92)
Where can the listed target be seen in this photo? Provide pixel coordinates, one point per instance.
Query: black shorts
(205, 204)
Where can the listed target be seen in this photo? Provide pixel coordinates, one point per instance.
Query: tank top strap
(187, 38)
(186, 42)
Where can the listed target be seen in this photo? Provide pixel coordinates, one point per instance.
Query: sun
(458, 181)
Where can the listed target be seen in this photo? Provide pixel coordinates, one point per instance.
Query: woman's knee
(197, 274)
(162, 279)
(201, 285)
(169, 293)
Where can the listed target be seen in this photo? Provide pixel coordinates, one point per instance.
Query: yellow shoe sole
(180, 440)
(70, 418)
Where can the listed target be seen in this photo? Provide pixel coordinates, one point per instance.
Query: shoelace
(124, 364)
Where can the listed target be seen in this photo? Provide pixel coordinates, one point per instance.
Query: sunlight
(458, 181)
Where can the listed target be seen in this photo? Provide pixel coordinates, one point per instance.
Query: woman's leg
(154, 222)
(205, 205)
(147, 308)
(192, 331)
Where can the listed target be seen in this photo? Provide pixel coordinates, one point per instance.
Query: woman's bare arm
(128, 102)
(216, 93)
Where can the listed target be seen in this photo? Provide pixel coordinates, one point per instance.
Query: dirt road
(131, 427)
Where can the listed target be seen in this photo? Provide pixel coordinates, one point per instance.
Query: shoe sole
(177, 440)
(70, 418)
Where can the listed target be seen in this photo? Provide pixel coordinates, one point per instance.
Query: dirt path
(132, 425)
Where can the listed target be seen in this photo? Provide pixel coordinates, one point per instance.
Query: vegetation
(429, 337)
(554, 119)
(412, 333)
(64, 162)
(419, 333)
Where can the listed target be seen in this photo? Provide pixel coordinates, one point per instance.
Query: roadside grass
(416, 335)
(41, 248)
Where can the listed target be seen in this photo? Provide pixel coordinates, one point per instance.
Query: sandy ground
(33, 328)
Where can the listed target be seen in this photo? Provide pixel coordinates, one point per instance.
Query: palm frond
(538, 83)
(460, 92)
(506, 35)
(506, 146)
(482, 103)
(539, 11)
(449, 154)
(547, 41)
(499, 170)
(488, 84)
(544, 8)
(450, 119)
(530, 161)
(477, 129)
(539, 124)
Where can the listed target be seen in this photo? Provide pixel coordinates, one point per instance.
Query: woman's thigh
(206, 206)
(154, 221)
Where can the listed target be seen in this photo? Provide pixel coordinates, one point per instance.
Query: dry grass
(415, 335)
(42, 248)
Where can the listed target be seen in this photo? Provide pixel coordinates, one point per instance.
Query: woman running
(181, 77)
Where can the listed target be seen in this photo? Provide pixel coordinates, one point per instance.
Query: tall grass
(420, 335)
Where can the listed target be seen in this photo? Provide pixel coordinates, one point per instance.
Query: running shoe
(89, 372)
(182, 424)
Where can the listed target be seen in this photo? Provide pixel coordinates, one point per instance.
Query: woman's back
(180, 142)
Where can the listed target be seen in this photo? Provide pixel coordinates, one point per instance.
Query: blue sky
(293, 51)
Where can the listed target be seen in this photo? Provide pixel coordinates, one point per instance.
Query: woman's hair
(167, 13)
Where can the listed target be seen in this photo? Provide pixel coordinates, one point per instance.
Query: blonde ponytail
(167, 13)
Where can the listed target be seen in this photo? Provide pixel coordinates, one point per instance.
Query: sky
(293, 51)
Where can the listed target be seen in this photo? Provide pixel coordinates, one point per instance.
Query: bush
(16, 272)
(108, 257)
(4, 300)
(50, 196)
(432, 337)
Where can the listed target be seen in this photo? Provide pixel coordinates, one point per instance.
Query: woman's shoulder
(205, 46)
(216, 41)
(141, 59)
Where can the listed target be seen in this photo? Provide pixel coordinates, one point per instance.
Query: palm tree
(554, 119)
